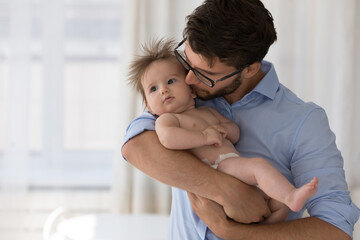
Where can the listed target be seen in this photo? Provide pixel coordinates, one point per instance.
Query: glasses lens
(202, 78)
(181, 59)
(181, 56)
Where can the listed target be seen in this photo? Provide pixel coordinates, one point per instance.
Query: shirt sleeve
(146, 121)
(315, 154)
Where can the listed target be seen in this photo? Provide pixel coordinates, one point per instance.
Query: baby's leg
(297, 198)
(257, 171)
(279, 212)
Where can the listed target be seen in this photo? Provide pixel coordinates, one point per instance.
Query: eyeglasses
(180, 55)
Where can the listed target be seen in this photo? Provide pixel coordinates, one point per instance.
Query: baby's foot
(299, 196)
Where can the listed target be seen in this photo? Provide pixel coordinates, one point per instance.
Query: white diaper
(220, 159)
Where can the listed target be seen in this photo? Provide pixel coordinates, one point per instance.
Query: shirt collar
(269, 85)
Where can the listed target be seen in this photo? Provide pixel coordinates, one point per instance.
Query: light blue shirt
(292, 135)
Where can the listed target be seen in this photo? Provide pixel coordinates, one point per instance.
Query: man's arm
(312, 155)
(183, 170)
(213, 215)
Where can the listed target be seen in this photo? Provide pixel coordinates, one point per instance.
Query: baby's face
(165, 88)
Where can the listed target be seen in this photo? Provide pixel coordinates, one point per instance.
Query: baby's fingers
(221, 130)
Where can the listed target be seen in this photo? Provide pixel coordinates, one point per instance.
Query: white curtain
(14, 165)
(144, 20)
(317, 55)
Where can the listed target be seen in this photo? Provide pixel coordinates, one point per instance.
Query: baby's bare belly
(212, 153)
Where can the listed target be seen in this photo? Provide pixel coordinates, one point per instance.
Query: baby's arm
(172, 136)
(233, 131)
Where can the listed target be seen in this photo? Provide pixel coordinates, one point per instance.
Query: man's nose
(191, 78)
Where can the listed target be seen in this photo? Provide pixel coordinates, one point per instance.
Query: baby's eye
(171, 81)
(153, 89)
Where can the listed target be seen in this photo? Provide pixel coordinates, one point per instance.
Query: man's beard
(204, 94)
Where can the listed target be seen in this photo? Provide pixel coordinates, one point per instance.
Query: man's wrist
(230, 230)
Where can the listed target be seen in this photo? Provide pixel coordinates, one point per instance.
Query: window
(69, 99)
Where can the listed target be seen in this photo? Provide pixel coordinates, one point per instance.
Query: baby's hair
(155, 50)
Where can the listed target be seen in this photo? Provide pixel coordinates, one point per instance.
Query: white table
(112, 227)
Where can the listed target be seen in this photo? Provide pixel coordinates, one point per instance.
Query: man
(223, 48)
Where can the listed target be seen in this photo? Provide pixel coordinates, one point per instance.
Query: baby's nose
(164, 90)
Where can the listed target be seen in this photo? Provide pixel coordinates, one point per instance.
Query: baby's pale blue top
(292, 135)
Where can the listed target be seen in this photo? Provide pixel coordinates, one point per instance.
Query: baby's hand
(220, 129)
(214, 135)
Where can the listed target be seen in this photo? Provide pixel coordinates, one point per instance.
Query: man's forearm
(180, 169)
(183, 170)
(305, 228)
(213, 215)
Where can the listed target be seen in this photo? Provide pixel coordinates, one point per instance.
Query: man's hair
(154, 50)
(238, 32)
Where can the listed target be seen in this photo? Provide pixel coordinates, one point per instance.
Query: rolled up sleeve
(146, 121)
(315, 154)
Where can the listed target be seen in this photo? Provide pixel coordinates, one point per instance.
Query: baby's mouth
(168, 99)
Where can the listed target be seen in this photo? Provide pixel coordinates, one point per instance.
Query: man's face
(215, 72)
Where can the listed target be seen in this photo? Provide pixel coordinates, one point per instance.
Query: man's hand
(211, 213)
(244, 203)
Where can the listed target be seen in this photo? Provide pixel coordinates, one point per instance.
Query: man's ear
(252, 70)
(193, 94)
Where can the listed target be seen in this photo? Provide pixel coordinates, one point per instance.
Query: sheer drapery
(316, 56)
(14, 165)
(144, 20)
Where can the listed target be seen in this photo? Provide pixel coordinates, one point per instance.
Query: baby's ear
(149, 108)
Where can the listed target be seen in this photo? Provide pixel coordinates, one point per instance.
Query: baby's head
(156, 73)
(155, 50)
